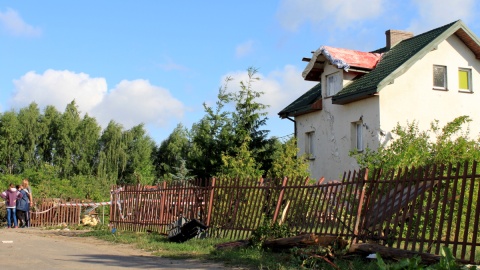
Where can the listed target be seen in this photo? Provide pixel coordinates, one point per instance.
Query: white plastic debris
(372, 256)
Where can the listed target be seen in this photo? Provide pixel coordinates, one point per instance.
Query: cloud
(339, 14)
(435, 13)
(14, 24)
(244, 49)
(128, 103)
(58, 88)
(138, 101)
(280, 87)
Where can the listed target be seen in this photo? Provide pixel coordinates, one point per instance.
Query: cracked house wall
(333, 127)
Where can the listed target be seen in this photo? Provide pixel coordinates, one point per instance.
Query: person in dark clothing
(23, 206)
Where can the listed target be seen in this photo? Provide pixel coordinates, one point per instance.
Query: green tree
(46, 146)
(10, 139)
(85, 158)
(287, 164)
(172, 152)
(139, 152)
(31, 129)
(211, 137)
(112, 154)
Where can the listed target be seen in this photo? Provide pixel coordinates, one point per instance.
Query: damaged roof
(391, 64)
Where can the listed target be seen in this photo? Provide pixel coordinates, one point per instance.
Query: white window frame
(445, 82)
(469, 72)
(334, 83)
(357, 141)
(310, 144)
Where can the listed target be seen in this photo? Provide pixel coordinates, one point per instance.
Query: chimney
(395, 36)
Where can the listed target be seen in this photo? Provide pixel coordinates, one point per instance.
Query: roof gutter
(294, 124)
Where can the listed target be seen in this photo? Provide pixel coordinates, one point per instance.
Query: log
(392, 253)
(304, 240)
(232, 245)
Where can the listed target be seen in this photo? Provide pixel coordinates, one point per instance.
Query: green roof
(393, 63)
(303, 104)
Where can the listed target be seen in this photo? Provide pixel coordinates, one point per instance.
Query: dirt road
(36, 249)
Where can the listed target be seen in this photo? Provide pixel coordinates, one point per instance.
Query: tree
(212, 136)
(10, 138)
(86, 156)
(413, 147)
(287, 164)
(32, 129)
(112, 159)
(248, 119)
(172, 152)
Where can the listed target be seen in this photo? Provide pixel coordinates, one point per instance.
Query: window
(440, 77)
(334, 83)
(357, 141)
(465, 79)
(309, 144)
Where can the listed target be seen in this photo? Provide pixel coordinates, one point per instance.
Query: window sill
(465, 91)
(440, 89)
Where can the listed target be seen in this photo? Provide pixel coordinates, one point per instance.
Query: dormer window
(334, 83)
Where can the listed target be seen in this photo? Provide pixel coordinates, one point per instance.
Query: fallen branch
(304, 240)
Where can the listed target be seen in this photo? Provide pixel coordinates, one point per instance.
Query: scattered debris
(183, 229)
(7, 241)
(305, 240)
(391, 253)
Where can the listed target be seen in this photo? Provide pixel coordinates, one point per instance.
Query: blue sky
(156, 62)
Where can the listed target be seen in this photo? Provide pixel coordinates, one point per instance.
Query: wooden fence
(419, 209)
(54, 212)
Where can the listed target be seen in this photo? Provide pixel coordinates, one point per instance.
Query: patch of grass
(203, 249)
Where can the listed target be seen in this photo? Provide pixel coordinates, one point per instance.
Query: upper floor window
(465, 79)
(309, 144)
(440, 77)
(334, 83)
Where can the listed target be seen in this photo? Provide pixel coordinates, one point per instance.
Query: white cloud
(339, 14)
(244, 49)
(58, 88)
(14, 24)
(280, 87)
(138, 101)
(128, 103)
(435, 13)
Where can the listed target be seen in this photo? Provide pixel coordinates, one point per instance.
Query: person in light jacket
(11, 195)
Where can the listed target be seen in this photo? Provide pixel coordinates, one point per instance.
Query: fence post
(210, 202)
(360, 205)
(280, 200)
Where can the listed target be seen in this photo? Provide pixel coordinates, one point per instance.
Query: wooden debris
(391, 253)
(304, 240)
(231, 245)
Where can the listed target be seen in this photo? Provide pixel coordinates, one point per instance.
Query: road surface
(36, 249)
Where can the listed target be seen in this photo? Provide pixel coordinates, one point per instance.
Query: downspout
(294, 124)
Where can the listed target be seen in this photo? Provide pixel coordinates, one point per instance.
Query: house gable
(398, 59)
(308, 102)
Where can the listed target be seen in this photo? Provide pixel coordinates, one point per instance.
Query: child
(23, 206)
(11, 195)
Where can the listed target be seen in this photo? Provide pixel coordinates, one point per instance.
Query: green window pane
(463, 79)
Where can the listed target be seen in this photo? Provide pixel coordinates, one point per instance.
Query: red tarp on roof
(354, 58)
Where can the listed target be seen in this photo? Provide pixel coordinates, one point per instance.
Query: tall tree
(139, 149)
(10, 139)
(211, 137)
(48, 134)
(86, 156)
(31, 131)
(249, 118)
(171, 152)
(112, 154)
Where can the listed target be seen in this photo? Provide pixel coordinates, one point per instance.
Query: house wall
(333, 132)
(411, 97)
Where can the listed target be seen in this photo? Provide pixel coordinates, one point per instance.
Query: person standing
(11, 195)
(28, 190)
(23, 207)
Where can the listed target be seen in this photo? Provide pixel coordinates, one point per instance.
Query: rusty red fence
(54, 212)
(419, 209)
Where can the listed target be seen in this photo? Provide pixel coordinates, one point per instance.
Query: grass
(203, 249)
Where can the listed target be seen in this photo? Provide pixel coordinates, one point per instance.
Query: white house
(361, 96)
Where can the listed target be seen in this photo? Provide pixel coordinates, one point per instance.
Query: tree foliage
(413, 147)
